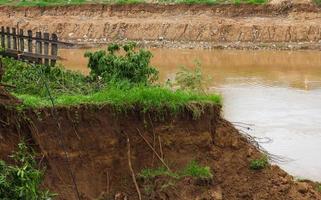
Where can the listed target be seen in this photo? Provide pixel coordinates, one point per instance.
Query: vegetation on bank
(22, 180)
(258, 164)
(44, 3)
(192, 169)
(121, 77)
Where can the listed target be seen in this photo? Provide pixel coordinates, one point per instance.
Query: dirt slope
(284, 25)
(95, 139)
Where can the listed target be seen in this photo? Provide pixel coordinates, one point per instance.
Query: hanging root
(131, 170)
(151, 147)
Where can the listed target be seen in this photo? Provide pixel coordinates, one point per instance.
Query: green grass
(151, 98)
(153, 173)
(319, 187)
(192, 169)
(258, 164)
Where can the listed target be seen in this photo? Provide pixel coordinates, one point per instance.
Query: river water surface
(277, 91)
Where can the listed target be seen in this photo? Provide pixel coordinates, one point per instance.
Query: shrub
(112, 65)
(23, 180)
(192, 80)
(260, 163)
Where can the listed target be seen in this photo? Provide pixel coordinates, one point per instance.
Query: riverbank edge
(295, 46)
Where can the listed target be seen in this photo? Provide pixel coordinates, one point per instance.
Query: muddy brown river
(279, 92)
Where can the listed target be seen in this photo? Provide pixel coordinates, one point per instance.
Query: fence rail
(41, 48)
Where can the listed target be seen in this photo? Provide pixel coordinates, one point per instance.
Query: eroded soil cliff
(96, 142)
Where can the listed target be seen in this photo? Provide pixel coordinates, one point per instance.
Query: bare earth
(280, 25)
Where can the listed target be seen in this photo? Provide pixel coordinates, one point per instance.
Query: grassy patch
(192, 169)
(319, 187)
(147, 97)
(153, 173)
(258, 164)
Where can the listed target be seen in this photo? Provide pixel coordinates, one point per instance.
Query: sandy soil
(280, 25)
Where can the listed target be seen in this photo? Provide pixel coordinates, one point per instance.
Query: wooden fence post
(46, 47)
(14, 38)
(3, 43)
(21, 41)
(8, 38)
(54, 48)
(38, 47)
(29, 41)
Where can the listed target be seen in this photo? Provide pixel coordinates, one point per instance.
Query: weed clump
(192, 79)
(22, 180)
(153, 173)
(192, 169)
(258, 164)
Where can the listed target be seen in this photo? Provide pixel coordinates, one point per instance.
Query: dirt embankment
(96, 141)
(283, 25)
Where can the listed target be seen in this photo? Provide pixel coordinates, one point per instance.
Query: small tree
(112, 65)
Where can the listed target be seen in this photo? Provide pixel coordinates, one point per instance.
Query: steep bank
(280, 26)
(95, 139)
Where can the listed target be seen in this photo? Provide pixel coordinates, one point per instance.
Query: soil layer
(280, 26)
(95, 139)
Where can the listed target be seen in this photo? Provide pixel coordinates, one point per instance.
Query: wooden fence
(38, 49)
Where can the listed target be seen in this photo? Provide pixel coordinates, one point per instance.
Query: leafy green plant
(193, 169)
(22, 180)
(260, 163)
(319, 187)
(112, 65)
(192, 79)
